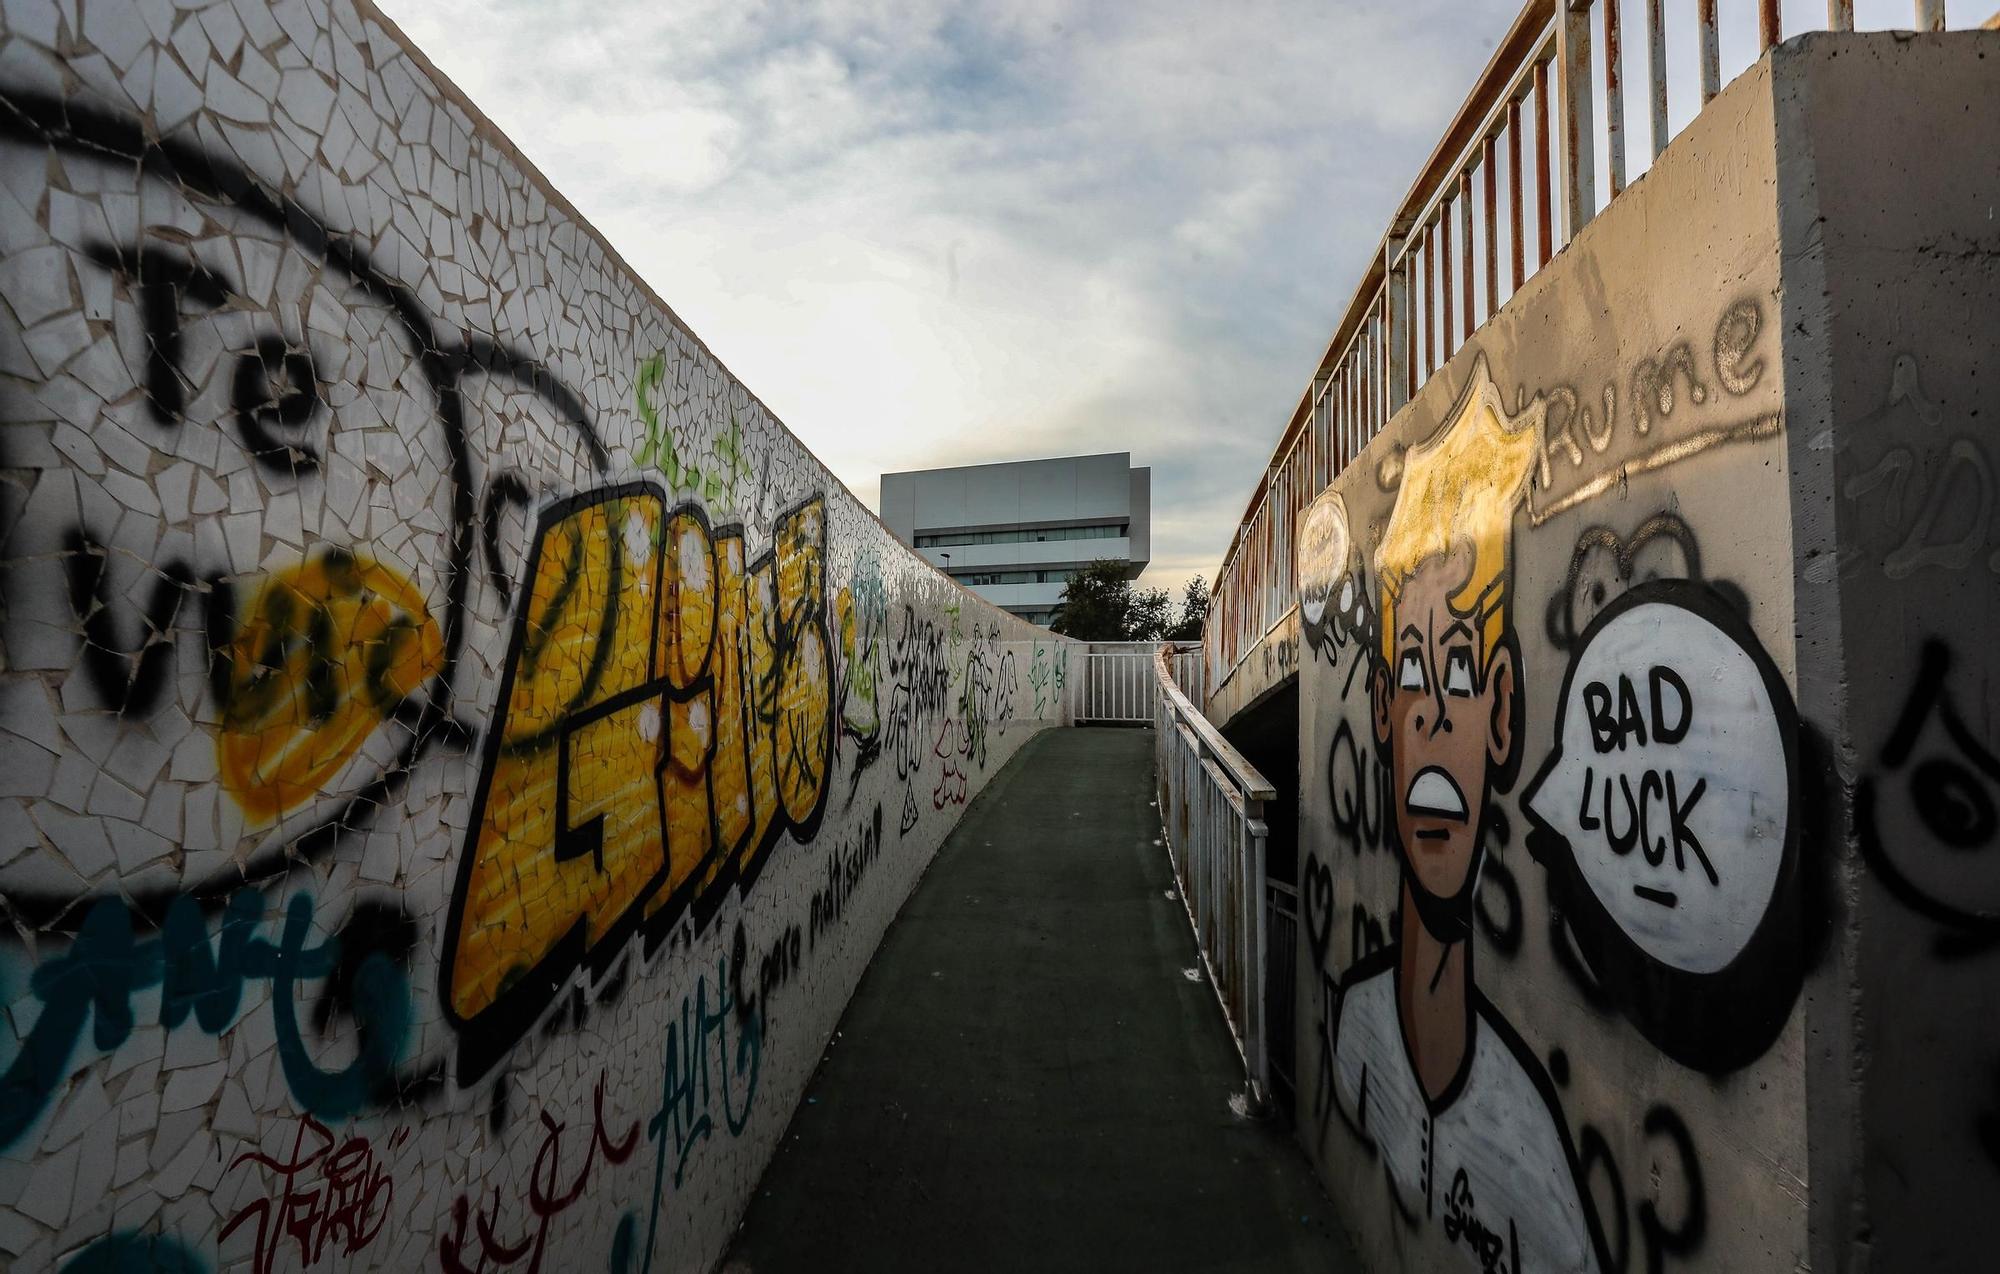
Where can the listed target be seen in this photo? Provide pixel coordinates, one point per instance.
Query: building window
(951, 539)
(977, 578)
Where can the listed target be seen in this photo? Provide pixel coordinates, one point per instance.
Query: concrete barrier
(1647, 748)
(458, 750)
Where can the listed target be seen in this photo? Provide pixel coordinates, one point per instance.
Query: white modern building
(1014, 532)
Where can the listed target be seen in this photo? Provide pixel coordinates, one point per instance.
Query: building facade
(1014, 533)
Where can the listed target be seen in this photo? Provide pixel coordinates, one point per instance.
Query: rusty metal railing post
(1710, 44)
(1614, 97)
(1579, 132)
(1656, 71)
(1396, 280)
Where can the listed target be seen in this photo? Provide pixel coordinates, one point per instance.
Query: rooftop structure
(1015, 532)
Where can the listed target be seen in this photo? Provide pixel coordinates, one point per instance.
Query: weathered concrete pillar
(1891, 318)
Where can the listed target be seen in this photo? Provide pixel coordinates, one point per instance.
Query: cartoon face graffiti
(1429, 1077)
(1443, 709)
(1446, 695)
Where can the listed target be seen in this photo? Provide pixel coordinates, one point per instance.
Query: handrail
(1211, 804)
(1244, 775)
(1437, 271)
(1528, 26)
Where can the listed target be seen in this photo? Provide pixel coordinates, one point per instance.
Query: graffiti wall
(457, 749)
(1557, 865)
(1648, 750)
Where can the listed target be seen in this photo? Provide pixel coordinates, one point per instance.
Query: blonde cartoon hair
(1460, 487)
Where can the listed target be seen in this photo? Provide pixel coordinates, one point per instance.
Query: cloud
(936, 234)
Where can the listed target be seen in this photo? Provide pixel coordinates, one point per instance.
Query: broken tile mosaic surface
(429, 681)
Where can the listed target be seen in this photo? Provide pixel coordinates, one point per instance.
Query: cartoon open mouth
(1433, 794)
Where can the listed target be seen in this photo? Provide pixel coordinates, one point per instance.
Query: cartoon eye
(1410, 673)
(1458, 671)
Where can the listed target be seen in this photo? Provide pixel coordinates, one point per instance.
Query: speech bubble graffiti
(1324, 547)
(1671, 779)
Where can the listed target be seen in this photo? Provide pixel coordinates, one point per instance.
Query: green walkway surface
(1027, 1078)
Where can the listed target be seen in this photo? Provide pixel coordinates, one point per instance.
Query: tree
(1194, 612)
(1095, 603)
(1149, 616)
(1100, 604)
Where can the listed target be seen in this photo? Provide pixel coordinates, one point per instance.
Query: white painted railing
(1119, 687)
(1190, 671)
(1212, 809)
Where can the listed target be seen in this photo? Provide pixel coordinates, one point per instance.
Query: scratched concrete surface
(1025, 1077)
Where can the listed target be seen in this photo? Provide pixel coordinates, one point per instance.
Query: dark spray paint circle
(1712, 1005)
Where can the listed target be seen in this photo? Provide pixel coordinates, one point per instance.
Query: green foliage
(1095, 603)
(1194, 612)
(1100, 604)
(1149, 616)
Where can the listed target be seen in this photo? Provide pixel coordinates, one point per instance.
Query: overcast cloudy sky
(932, 234)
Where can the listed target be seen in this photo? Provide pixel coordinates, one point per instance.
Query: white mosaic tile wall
(457, 750)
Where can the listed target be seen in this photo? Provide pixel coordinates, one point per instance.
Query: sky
(936, 234)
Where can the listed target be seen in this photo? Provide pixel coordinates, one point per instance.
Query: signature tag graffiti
(1667, 816)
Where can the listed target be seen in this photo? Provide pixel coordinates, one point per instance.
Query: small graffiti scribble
(330, 1196)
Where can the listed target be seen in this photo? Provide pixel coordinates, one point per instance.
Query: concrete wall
(1647, 744)
(457, 750)
(1893, 291)
(1265, 668)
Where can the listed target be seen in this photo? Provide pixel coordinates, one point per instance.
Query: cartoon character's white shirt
(1489, 1164)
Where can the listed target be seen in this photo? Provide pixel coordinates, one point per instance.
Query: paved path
(1025, 1078)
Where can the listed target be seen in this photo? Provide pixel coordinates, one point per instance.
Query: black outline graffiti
(1938, 785)
(505, 491)
(1685, 1238)
(1681, 1239)
(1316, 901)
(1594, 1152)
(163, 279)
(261, 405)
(1714, 1022)
(130, 677)
(70, 126)
(1624, 550)
(1497, 877)
(1352, 818)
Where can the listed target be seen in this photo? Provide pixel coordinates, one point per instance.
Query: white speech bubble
(1321, 559)
(1671, 783)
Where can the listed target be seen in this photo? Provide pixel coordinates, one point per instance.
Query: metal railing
(1281, 986)
(1212, 808)
(1189, 671)
(1118, 683)
(1514, 178)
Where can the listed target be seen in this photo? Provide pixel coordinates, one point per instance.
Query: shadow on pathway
(1026, 1079)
